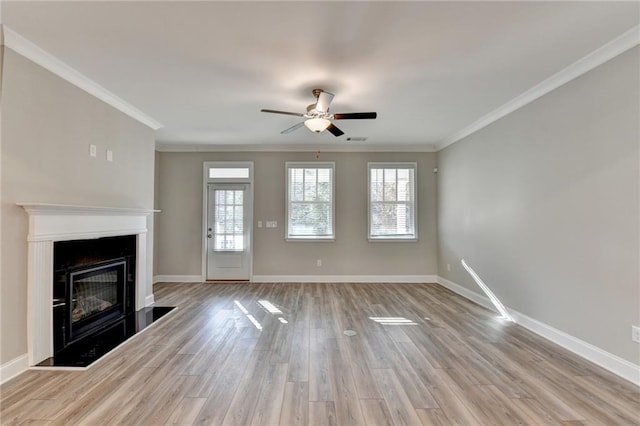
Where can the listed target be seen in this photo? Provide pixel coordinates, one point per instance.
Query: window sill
(310, 239)
(393, 240)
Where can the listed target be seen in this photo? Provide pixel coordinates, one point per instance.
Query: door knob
(208, 235)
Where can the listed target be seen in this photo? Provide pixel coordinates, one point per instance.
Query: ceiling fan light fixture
(318, 118)
(317, 125)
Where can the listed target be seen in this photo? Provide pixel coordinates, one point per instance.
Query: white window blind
(310, 194)
(392, 201)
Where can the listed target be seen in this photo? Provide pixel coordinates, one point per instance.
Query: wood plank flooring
(420, 355)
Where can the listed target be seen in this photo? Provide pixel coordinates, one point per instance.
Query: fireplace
(63, 226)
(93, 287)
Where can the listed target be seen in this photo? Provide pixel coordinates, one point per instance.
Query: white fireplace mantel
(58, 222)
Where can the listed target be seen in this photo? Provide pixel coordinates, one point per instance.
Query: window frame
(310, 165)
(393, 165)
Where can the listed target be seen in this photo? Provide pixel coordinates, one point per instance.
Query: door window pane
(229, 220)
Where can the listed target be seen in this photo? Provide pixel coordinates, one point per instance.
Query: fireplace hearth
(85, 351)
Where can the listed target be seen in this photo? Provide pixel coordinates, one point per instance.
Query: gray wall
(179, 226)
(156, 198)
(544, 205)
(47, 126)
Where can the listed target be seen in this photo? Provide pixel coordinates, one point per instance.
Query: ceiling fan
(318, 117)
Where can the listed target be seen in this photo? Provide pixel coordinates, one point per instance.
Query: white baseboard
(621, 367)
(480, 299)
(604, 359)
(177, 279)
(309, 278)
(344, 278)
(149, 301)
(11, 369)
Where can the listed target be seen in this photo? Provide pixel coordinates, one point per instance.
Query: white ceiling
(205, 69)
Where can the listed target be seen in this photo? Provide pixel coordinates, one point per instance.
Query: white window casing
(393, 204)
(310, 201)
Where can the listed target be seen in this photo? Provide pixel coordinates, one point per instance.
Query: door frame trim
(205, 196)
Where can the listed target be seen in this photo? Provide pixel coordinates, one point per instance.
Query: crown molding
(29, 50)
(615, 47)
(179, 147)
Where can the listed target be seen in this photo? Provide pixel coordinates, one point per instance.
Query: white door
(228, 232)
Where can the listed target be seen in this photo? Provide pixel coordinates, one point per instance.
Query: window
(392, 201)
(310, 194)
(229, 173)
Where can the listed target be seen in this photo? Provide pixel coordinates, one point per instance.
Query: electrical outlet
(109, 155)
(319, 262)
(448, 267)
(93, 150)
(635, 333)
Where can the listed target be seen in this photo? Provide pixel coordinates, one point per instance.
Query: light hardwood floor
(431, 357)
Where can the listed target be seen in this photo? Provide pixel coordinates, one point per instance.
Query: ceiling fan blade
(355, 115)
(334, 130)
(292, 128)
(324, 100)
(273, 111)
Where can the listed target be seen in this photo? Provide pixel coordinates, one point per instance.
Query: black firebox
(93, 289)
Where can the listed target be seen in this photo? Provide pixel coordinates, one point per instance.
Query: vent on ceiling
(357, 139)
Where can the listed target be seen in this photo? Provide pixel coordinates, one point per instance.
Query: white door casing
(227, 244)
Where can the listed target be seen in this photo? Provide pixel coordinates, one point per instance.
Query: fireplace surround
(93, 286)
(52, 223)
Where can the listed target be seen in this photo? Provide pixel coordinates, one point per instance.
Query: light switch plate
(93, 150)
(109, 155)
